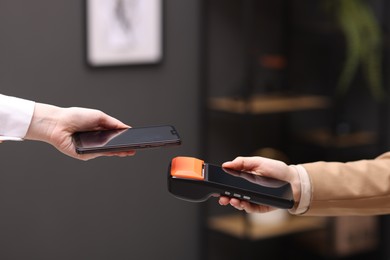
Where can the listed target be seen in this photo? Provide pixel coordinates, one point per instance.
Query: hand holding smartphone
(125, 139)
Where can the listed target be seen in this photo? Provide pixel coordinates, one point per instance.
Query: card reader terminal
(194, 180)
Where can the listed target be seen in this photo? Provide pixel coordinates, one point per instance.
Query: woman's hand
(56, 126)
(263, 167)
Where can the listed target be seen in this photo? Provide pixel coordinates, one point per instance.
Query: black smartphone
(125, 139)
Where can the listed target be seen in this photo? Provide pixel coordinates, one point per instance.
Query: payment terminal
(194, 180)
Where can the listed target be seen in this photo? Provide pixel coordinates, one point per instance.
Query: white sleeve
(15, 117)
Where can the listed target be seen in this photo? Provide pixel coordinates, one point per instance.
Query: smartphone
(126, 139)
(194, 180)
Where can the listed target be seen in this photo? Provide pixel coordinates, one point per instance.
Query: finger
(109, 122)
(224, 201)
(236, 204)
(253, 208)
(120, 154)
(249, 207)
(86, 157)
(243, 163)
(235, 164)
(228, 164)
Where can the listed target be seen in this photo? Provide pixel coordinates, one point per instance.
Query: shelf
(236, 225)
(324, 138)
(265, 104)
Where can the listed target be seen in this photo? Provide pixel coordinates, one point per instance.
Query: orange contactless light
(187, 168)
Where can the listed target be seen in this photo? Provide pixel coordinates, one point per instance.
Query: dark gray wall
(55, 207)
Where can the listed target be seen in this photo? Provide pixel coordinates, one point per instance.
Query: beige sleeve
(352, 188)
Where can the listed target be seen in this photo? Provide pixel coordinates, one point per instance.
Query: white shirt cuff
(304, 202)
(15, 117)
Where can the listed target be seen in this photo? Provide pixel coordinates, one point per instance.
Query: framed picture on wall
(124, 32)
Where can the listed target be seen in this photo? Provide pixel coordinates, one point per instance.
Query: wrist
(43, 121)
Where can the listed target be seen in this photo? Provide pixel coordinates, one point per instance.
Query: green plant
(363, 45)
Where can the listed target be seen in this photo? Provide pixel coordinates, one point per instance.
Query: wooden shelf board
(325, 138)
(268, 104)
(236, 225)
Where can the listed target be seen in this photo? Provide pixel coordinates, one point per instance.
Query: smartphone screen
(125, 139)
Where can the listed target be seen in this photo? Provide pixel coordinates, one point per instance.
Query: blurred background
(297, 80)
(54, 207)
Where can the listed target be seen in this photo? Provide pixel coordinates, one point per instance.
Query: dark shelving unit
(256, 96)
